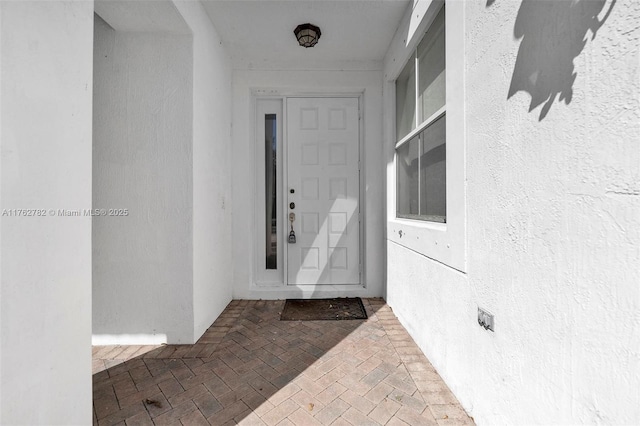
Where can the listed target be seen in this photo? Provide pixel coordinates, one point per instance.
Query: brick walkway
(249, 368)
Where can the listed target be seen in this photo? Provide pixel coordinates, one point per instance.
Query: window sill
(431, 239)
(419, 223)
(423, 219)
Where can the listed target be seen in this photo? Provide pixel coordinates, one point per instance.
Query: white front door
(323, 190)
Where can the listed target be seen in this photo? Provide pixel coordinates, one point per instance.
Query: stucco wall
(553, 220)
(281, 83)
(212, 274)
(45, 302)
(165, 96)
(142, 158)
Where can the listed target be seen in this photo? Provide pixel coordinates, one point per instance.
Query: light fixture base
(307, 34)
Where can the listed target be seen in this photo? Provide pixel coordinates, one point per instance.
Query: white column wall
(45, 163)
(553, 221)
(212, 254)
(171, 93)
(279, 83)
(143, 159)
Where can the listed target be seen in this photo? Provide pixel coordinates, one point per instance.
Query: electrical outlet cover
(485, 319)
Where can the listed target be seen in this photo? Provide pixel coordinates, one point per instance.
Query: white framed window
(421, 181)
(426, 183)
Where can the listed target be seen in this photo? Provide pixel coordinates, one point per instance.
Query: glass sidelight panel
(271, 185)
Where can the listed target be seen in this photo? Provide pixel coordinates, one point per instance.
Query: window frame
(418, 126)
(418, 131)
(442, 242)
(265, 276)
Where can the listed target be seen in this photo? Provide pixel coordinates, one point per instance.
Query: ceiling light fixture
(307, 34)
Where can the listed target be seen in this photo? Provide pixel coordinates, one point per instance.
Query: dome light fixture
(307, 34)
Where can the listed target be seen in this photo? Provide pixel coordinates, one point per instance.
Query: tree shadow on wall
(553, 34)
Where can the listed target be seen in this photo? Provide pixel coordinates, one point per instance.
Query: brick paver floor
(250, 368)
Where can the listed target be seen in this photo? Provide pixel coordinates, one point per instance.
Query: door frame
(259, 280)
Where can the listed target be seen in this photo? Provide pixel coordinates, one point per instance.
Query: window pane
(271, 207)
(431, 69)
(406, 100)
(407, 179)
(433, 176)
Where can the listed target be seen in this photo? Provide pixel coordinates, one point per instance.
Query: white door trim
(281, 287)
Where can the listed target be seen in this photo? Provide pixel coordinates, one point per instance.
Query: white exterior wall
(279, 83)
(45, 302)
(553, 221)
(212, 271)
(142, 262)
(162, 148)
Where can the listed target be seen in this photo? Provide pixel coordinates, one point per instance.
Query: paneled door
(323, 190)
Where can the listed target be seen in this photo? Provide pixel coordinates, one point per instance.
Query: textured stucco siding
(553, 220)
(142, 161)
(45, 163)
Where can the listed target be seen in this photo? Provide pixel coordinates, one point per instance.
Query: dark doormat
(344, 308)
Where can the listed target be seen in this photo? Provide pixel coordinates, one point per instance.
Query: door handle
(292, 234)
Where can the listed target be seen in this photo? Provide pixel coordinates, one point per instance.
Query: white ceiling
(142, 16)
(259, 33)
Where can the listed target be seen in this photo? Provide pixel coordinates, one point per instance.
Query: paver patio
(250, 368)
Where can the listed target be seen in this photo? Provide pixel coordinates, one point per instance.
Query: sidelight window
(269, 227)
(271, 191)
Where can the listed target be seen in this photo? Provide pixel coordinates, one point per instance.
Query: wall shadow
(553, 34)
(246, 357)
